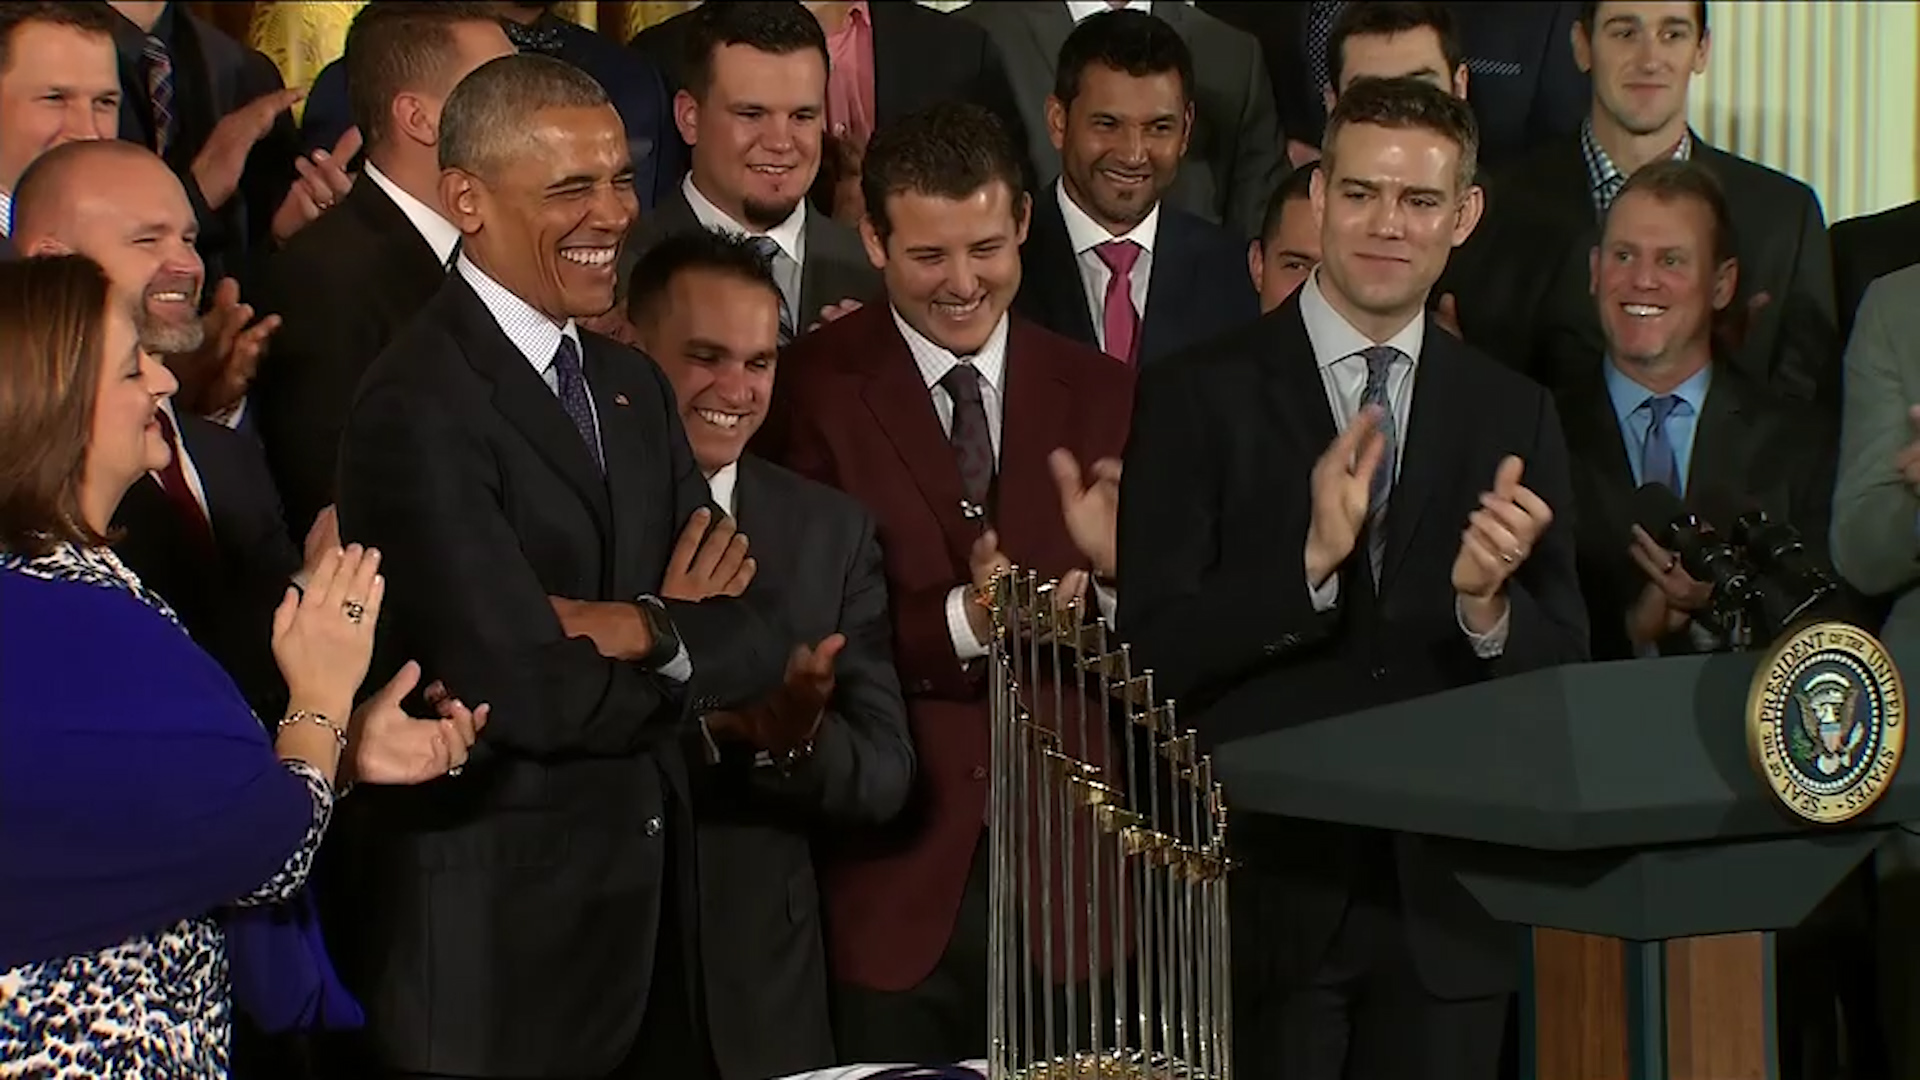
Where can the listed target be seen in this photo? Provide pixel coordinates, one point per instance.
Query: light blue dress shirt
(1635, 417)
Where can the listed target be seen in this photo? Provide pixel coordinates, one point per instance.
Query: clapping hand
(985, 564)
(1671, 595)
(214, 377)
(323, 635)
(1342, 482)
(1091, 505)
(785, 723)
(322, 180)
(1500, 535)
(387, 746)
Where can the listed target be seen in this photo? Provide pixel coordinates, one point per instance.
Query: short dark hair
(87, 16)
(695, 249)
(52, 318)
(489, 112)
(1406, 103)
(1131, 41)
(949, 150)
(1675, 180)
(779, 27)
(1386, 18)
(1297, 187)
(398, 45)
(1587, 12)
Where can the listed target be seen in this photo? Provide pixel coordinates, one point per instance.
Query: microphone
(1707, 557)
(1793, 583)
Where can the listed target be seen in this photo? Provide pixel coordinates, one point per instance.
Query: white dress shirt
(1086, 235)
(722, 484)
(433, 227)
(1337, 345)
(1084, 9)
(790, 236)
(991, 362)
(538, 339)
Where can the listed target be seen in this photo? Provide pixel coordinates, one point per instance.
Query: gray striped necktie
(1380, 360)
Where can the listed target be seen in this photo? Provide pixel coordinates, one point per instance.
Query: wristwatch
(666, 640)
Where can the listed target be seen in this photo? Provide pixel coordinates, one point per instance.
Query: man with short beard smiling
(206, 532)
(754, 111)
(1108, 261)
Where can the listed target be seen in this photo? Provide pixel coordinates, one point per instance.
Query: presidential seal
(1827, 721)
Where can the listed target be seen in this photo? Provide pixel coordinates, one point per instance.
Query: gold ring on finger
(354, 610)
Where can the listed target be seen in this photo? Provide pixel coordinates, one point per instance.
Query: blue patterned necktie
(159, 92)
(1320, 19)
(570, 381)
(769, 249)
(972, 443)
(1380, 360)
(1658, 465)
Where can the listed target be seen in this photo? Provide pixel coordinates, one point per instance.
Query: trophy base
(1111, 1065)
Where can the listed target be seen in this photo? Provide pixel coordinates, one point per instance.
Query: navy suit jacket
(1198, 287)
(634, 85)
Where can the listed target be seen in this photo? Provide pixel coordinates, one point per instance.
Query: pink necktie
(1122, 323)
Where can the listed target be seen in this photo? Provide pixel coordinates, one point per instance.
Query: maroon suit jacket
(851, 410)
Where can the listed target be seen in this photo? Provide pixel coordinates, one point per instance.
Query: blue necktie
(1657, 462)
(1380, 360)
(571, 383)
(769, 249)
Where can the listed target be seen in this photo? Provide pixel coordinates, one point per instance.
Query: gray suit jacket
(1233, 160)
(836, 266)
(1876, 514)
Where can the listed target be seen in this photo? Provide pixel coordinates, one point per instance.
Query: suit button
(1290, 640)
(1379, 673)
(653, 826)
(705, 704)
(1270, 649)
(979, 772)
(922, 686)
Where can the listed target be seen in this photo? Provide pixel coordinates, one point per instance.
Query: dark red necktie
(972, 443)
(173, 481)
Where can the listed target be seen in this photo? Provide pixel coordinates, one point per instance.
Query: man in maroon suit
(962, 429)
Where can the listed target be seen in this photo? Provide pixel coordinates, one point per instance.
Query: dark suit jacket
(836, 266)
(8, 252)
(504, 921)
(1198, 286)
(1504, 279)
(1214, 513)
(1521, 79)
(921, 57)
(213, 76)
(762, 950)
(1750, 451)
(852, 411)
(344, 286)
(1869, 247)
(1792, 346)
(225, 598)
(644, 102)
(1233, 159)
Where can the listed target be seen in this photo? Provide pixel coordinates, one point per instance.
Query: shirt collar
(530, 332)
(1628, 395)
(786, 234)
(1082, 10)
(1334, 338)
(724, 486)
(1087, 234)
(935, 361)
(433, 227)
(1604, 178)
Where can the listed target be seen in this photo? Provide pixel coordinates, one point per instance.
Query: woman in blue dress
(154, 838)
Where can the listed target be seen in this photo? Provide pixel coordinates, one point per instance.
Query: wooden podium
(1616, 804)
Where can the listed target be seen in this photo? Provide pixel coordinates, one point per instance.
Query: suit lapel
(1295, 388)
(1169, 285)
(1593, 433)
(379, 215)
(1057, 298)
(902, 407)
(631, 501)
(1439, 402)
(1037, 404)
(523, 397)
(1723, 440)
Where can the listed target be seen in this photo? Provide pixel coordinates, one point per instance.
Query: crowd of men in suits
(694, 391)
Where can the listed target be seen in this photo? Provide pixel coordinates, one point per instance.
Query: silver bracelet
(339, 733)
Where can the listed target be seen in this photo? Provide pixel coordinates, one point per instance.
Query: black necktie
(570, 381)
(972, 444)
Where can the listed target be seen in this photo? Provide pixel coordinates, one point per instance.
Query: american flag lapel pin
(619, 399)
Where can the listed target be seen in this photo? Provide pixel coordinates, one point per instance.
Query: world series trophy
(1100, 805)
